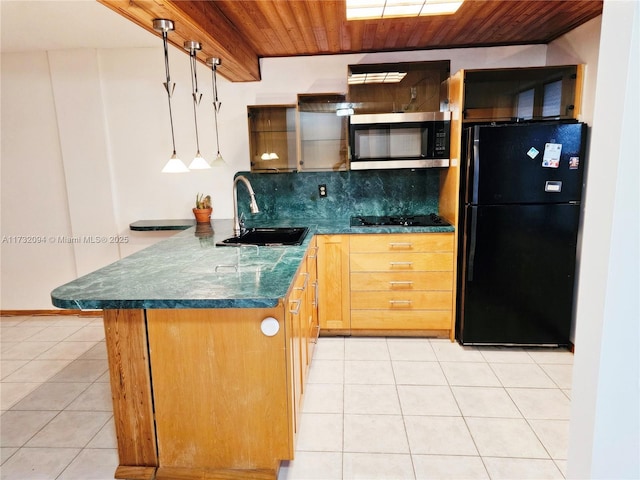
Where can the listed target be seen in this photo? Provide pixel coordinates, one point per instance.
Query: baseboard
(30, 313)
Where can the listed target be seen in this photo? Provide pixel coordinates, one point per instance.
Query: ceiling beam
(199, 21)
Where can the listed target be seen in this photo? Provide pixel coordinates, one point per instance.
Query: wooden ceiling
(240, 32)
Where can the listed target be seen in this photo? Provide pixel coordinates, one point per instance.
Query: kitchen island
(209, 349)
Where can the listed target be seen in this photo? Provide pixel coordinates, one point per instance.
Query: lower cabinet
(386, 284)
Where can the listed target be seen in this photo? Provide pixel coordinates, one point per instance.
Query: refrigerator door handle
(476, 164)
(472, 244)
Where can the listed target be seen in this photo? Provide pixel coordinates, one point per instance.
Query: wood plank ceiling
(240, 32)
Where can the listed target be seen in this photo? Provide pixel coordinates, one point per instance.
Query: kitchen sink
(268, 237)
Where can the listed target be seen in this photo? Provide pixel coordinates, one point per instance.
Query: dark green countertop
(188, 270)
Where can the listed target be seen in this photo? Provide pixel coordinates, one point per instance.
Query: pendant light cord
(216, 103)
(168, 84)
(194, 92)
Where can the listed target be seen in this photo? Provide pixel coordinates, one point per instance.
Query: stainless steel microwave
(399, 140)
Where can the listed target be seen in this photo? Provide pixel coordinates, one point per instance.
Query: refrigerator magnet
(574, 163)
(533, 152)
(551, 156)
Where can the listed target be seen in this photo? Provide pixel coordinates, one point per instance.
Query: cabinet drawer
(402, 242)
(402, 301)
(401, 262)
(401, 281)
(401, 320)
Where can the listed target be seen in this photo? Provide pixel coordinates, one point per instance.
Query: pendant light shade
(198, 162)
(213, 62)
(174, 165)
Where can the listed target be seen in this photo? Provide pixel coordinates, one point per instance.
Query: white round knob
(270, 326)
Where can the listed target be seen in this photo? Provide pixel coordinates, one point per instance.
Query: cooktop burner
(431, 220)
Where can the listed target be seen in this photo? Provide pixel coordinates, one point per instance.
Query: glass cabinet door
(322, 133)
(272, 138)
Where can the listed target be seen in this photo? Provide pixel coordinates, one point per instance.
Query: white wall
(605, 406)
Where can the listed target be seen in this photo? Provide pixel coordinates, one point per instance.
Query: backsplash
(366, 192)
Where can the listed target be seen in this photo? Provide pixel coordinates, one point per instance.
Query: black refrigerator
(521, 187)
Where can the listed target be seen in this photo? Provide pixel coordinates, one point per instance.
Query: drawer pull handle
(400, 244)
(400, 284)
(400, 264)
(304, 285)
(399, 302)
(295, 310)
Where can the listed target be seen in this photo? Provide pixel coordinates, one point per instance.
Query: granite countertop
(188, 270)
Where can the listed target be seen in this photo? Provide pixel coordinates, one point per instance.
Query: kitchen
(138, 160)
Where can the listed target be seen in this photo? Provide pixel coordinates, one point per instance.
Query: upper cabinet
(272, 138)
(322, 133)
(515, 94)
(398, 87)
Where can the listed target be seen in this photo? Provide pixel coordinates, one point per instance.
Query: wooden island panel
(220, 392)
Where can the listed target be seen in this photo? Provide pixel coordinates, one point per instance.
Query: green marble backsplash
(367, 192)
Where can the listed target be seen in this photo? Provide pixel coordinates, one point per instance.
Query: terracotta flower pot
(203, 215)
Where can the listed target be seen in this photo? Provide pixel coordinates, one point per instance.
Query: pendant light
(174, 165)
(198, 162)
(213, 62)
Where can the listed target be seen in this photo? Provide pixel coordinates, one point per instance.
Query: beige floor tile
(447, 351)
(12, 393)
(469, 374)
(371, 399)
(485, 402)
(66, 351)
(19, 333)
(367, 466)
(522, 375)
(323, 398)
(442, 467)
(418, 373)
(427, 400)
(4, 346)
(81, 371)
(7, 367)
(5, 454)
(541, 403)
(37, 463)
(554, 435)
(366, 349)
(505, 437)
(37, 371)
(562, 375)
(106, 437)
(326, 371)
(54, 333)
(313, 466)
(88, 333)
(375, 434)
(329, 348)
(18, 427)
(92, 464)
(97, 352)
(505, 355)
(439, 436)
(372, 372)
(320, 432)
(562, 466)
(96, 398)
(411, 349)
(26, 350)
(522, 469)
(550, 356)
(70, 429)
(51, 396)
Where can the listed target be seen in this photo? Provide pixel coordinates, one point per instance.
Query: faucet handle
(241, 223)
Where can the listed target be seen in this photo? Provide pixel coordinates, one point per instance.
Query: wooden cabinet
(322, 134)
(402, 282)
(510, 94)
(272, 138)
(333, 283)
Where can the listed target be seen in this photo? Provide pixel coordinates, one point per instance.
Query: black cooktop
(431, 220)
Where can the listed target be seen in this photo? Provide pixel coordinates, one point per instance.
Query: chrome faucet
(253, 206)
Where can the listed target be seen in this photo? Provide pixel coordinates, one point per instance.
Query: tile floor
(374, 408)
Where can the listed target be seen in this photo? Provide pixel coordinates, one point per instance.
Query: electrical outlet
(322, 190)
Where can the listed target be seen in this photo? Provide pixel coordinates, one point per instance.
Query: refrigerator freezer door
(517, 279)
(525, 163)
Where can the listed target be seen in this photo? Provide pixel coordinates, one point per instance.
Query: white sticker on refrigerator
(533, 152)
(551, 157)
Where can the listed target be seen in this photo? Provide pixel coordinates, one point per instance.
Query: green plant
(202, 201)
